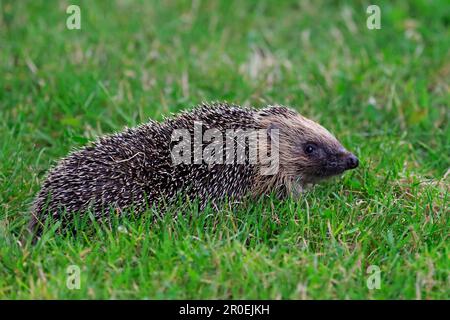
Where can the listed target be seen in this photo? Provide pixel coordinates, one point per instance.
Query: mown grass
(384, 93)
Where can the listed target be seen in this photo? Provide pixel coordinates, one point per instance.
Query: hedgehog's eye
(310, 148)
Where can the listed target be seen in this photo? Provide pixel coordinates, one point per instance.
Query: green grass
(384, 93)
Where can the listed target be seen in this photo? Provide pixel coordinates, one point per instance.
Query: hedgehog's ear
(273, 132)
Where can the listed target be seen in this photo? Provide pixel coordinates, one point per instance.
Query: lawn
(384, 93)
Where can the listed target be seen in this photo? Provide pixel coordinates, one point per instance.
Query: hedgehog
(158, 162)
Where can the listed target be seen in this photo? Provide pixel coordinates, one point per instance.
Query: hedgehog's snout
(351, 161)
(341, 162)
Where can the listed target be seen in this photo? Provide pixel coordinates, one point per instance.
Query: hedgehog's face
(309, 152)
(316, 153)
(318, 160)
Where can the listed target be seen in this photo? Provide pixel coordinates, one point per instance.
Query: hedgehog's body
(135, 169)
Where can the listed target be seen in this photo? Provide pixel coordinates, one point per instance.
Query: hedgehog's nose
(352, 161)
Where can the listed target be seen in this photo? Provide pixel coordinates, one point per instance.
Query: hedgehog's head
(307, 151)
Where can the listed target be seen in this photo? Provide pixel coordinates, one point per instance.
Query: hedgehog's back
(134, 169)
